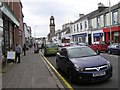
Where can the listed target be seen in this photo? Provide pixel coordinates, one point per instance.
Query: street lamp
(110, 22)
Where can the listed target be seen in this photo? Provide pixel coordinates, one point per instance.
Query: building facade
(105, 22)
(9, 24)
(97, 26)
(16, 7)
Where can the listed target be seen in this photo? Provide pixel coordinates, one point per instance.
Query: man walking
(18, 51)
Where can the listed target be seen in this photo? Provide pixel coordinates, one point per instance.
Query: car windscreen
(81, 52)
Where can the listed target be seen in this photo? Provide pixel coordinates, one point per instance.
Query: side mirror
(98, 53)
(117, 46)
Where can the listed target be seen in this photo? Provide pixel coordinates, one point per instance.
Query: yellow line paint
(66, 83)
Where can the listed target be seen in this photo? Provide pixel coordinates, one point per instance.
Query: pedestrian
(24, 49)
(18, 51)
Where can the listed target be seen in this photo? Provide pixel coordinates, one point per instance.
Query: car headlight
(78, 68)
(108, 64)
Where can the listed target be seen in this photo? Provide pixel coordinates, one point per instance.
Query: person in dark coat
(24, 49)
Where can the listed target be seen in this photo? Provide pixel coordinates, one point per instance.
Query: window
(114, 18)
(63, 52)
(74, 28)
(81, 26)
(98, 21)
(77, 28)
(105, 19)
(85, 24)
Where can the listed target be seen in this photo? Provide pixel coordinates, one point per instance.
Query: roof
(97, 12)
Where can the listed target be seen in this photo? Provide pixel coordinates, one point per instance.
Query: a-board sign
(11, 55)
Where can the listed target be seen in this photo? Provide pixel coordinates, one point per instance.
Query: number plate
(99, 74)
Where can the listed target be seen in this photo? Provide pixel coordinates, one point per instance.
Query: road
(112, 83)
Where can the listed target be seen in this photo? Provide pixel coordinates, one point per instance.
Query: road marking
(66, 83)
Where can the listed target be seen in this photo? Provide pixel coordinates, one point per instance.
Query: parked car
(83, 44)
(114, 48)
(82, 64)
(73, 43)
(99, 46)
(50, 48)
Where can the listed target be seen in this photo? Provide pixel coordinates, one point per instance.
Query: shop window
(97, 39)
(116, 37)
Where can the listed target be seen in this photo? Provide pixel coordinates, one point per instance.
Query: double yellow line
(65, 82)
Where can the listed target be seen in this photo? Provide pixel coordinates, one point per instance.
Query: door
(63, 59)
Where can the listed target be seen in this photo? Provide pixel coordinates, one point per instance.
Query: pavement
(31, 73)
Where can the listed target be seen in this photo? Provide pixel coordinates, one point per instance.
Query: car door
(63, 58)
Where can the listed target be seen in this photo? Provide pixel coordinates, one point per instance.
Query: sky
(37, 13)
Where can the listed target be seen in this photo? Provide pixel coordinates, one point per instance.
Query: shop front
(115, 34)
(79, 37)
(8, 24)
(97, 37)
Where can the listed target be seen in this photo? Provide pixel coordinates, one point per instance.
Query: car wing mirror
(117, 46)
(58, 53)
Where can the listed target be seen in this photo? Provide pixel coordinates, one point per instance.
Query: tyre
(109, 52)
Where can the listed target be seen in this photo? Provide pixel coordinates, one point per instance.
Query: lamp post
(110, 23)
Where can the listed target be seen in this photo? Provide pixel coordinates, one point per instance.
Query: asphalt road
(112, 83)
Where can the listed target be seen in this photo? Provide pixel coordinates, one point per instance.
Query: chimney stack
(101, 7)
(81, 15)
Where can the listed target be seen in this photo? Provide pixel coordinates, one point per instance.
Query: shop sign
(97, 34)
(79, 35)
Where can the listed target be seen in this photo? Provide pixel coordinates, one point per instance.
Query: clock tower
(52, 27)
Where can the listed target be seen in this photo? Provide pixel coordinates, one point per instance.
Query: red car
(99, 46)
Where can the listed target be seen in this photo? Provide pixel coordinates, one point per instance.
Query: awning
(6, 10)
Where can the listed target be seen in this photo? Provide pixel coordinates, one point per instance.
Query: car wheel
(109, 52)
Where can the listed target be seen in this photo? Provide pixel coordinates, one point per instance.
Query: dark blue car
(82, 64)
(114, 48)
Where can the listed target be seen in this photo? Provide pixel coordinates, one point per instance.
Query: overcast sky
(37, 12)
